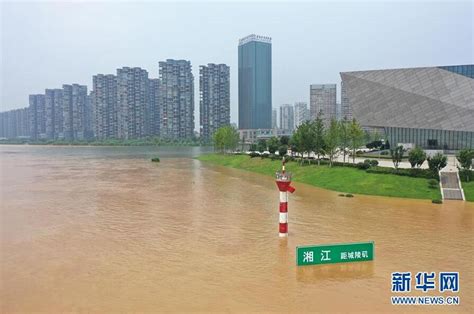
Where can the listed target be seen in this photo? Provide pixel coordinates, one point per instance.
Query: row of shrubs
(433, 184)
(412, 172)
(369, 165)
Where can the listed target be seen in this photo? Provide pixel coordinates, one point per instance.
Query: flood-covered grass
(341, 179)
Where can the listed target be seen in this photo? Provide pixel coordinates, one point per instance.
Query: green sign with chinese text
(334, 253)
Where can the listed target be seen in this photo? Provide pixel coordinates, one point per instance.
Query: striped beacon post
(283, 181)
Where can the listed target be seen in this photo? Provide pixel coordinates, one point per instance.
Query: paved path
(450, 184)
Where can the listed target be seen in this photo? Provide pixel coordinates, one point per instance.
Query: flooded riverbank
(106, 230)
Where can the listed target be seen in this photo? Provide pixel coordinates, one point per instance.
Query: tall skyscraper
(74, 111)
(301, 113)
(132, 101)
(274, 119)
(37, 118)
(323, 101)
(177, 99)
(104, 104)
(153, 109)
(54, 113)
(214, 88)
(255, 82)
(287, 117)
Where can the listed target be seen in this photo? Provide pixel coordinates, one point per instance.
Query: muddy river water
(99, 229)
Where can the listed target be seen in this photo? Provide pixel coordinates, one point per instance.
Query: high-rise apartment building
(54, 113)
(177, 99)
(60, 114)
(214, 89)
(74, 111)
(287, 117)
(274, 118)
(14, 124)
(301, 113)
(132, 101)
(4, 127)
(37, 115)
(153, 108)
(323, 101)
(104, 104)
(255, 82)
(88, 125)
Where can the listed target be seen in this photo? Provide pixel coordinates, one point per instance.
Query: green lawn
(341, 179)
(468, 188)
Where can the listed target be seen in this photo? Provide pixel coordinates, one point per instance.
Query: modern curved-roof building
(432, 107)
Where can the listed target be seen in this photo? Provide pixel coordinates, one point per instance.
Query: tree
(284, 140)
(253, 147)
(397, 155)
(437, 162)
(465, 157)
(231, 138)
(344, 136)
(416, 157)
(356, 137)
(261, 145)
(225, 138)
(282, 150)
(331, 140)
(273, 144)
(302, 139)
(218, 140)
(292, 146)
(318, 145)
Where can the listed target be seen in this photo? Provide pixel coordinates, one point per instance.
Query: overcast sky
(47, 44)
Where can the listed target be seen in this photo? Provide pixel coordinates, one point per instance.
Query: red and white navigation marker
(283, 181)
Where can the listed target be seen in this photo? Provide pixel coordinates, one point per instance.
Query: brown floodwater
(105, 230)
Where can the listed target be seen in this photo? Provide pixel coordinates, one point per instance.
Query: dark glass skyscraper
(255, 82)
